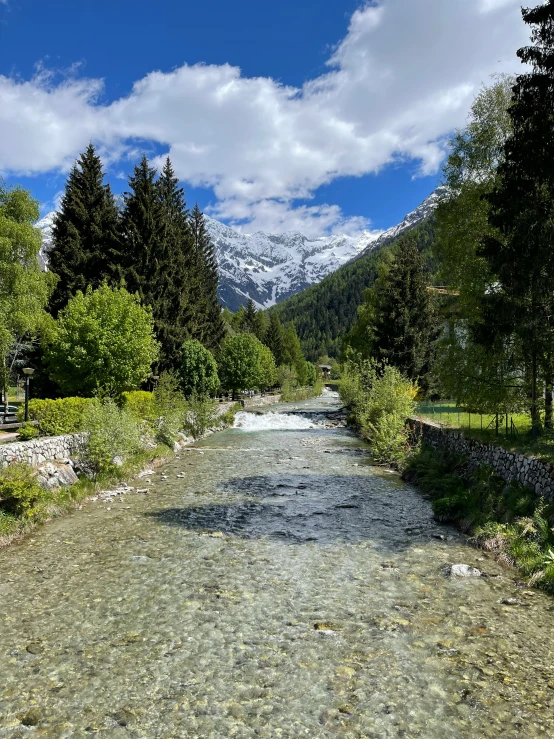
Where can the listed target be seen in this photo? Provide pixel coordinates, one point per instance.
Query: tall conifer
(212, 329)
(176, 313)
(274, 338)
(85, 250)
(522, 209)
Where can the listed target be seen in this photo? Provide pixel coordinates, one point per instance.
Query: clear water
(281, 588)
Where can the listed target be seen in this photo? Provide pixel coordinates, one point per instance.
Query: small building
(325, 370)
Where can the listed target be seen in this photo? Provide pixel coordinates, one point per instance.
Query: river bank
(273, 583)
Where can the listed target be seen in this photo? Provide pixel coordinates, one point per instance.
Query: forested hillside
(323, 313)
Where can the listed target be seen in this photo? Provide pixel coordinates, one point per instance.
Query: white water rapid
(272, 422)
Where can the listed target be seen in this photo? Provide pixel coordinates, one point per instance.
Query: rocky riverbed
(270, 583)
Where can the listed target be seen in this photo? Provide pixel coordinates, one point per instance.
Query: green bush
(20, 494)
(55, 417)
(112, 432)
(170, 409)
(27, 431)
(389, 439)
(140, 404)
(201, 415)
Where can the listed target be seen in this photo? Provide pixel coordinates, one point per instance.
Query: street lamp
(27, 371)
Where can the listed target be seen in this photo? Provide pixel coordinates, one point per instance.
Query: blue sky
(312, 116)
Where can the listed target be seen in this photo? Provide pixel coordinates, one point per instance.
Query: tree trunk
(548, 402)
(535, 419)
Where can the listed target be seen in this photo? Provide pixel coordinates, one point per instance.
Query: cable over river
(274, 585)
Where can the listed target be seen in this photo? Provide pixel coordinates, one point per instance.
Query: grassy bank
(504, 519)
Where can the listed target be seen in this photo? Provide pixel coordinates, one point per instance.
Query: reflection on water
(282, 588)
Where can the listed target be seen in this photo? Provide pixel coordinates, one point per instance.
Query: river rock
(463, 571)
(56, 475)
(33, 717)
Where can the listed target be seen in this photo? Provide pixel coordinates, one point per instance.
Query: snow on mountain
(271, 267)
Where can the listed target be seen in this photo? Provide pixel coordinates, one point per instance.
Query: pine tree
(274, 338)
(399, 314)
(85, 250)
(522, 208)
(142, 234)
(174, 308)
(211, 325)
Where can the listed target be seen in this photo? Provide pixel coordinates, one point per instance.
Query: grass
(518, 438)
(507, 520)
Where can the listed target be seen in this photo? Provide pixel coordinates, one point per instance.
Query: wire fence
(499, 424)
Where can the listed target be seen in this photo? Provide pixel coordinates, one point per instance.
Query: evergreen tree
(274, 338)
(142, 234)
(85, 250)
(399, 318)
(522, 209)
(211, 325)
(174, 304)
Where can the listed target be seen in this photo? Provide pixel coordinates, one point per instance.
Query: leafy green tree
(103, 341)
(212, 328)
(245, 363)
(522, 210)
(293, 356)
(85, 242)
(24, 288)
(198, 370)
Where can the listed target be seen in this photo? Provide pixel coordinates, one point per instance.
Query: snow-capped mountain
(271, 267)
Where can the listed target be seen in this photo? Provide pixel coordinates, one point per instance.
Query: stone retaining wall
(528, 471)
(37, 451)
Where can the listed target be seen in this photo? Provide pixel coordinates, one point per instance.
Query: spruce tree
(274, 338)
(400, 315)
(142, 234)
(85, 244)
(211, 327)
(175, 310)
(522, 209)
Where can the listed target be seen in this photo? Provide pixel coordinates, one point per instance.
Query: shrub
(170, 409)
(201, 415)
(198, 370)
(389, 439)
(112, 432)
(27, 431)
(140, 404)
(20, 494)
(55, 417)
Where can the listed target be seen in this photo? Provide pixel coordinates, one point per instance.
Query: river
(274, 585)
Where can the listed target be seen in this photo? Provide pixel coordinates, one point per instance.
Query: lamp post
(27, 371)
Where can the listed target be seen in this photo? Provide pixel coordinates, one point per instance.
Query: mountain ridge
(268, 268)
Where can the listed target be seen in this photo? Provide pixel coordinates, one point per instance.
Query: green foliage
(245, 363)
(170, 409)
(112, 432)
(323, 313)
(56, 417)
(140, 404)
(20, 494)
(85, 244)
(103, 341)
(26, 432)
(211, 327)
(397, 322)
(381, 399)
(201, 415)
(24, 287)
(198, 370)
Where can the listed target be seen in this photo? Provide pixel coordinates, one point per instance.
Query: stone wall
(531, 472)
(37, 451)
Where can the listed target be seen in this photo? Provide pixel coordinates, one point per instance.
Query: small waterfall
(272, 422)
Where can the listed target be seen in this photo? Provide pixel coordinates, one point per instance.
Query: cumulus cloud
(402, 78)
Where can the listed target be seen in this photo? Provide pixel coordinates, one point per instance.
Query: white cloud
(402, 78)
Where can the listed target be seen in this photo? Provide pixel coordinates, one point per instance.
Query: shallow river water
(281, 588)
